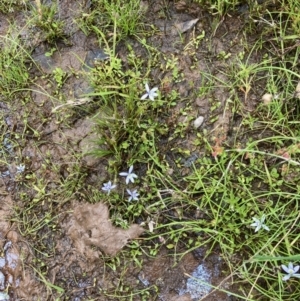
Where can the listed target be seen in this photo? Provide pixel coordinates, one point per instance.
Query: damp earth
(61, 239)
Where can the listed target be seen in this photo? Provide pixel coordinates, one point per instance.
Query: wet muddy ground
(72, 254)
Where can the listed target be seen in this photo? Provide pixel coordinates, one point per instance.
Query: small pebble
(267, 98)
(12, 236)
(198, 122)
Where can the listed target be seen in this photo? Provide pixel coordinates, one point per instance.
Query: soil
(74, 253)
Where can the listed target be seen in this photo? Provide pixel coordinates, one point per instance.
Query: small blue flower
(108, 186)
(291, 271)
(151, 93)
(129, 175)
(259, 223)
(20, 168)
(133, 195)
(5, 174)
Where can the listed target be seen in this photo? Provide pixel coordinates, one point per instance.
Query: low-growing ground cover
(150, 150)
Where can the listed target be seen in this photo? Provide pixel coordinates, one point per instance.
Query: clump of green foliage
(128, 126)
(14, 61)
(46, 17)
(218, 6)
(106, 15)
(9, 6)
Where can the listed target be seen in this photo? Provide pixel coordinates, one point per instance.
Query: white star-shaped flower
(291, 271)
(129, 175)
(108, 186)
(151, 93)
(20, 168)
(259, 223)
(133, 195)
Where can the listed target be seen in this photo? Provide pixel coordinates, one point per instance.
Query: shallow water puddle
(195, 285)
(193, 278)
(10, 269)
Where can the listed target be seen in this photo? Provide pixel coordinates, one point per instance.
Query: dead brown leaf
(90, 226)
(185, 26)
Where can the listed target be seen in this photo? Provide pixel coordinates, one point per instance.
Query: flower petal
(154, 89)
(147, 87)
(144, 96)
(285, 268)
(130, 169)
(296, 275)
(123, 174)
(130, 179)
(286, 277)
(266, 227)
(296, 268)
(133, 176)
